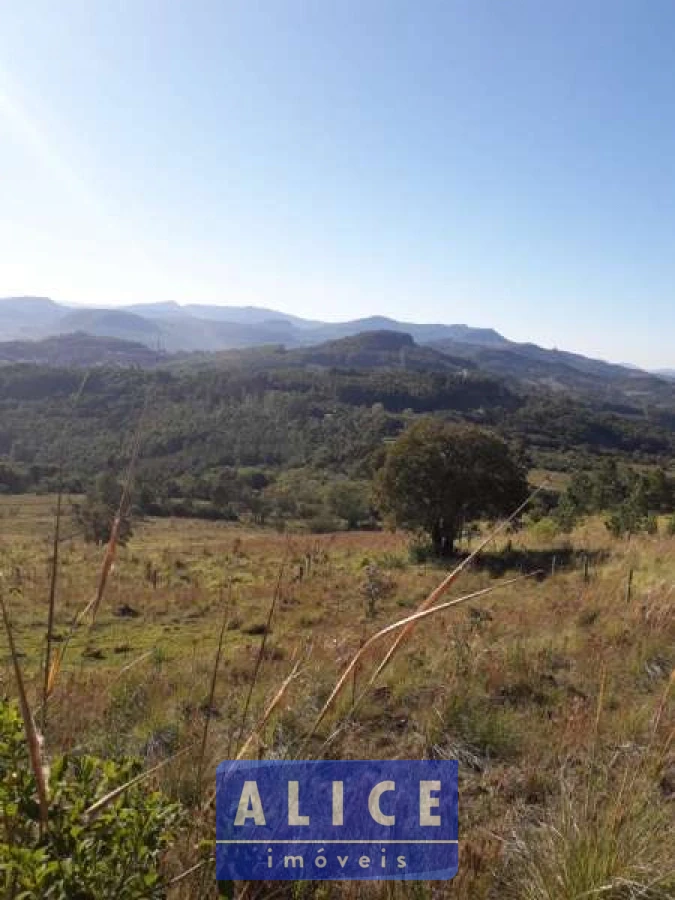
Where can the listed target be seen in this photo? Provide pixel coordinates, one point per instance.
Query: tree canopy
(438, 477)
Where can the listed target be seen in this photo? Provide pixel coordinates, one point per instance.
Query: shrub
(96, 514)
(487, 729)
(323, 524)
(545, 529)
(599, 840)
(566, 514)
(115, 856)
(349, 501)
(421, 551)
(377, 585)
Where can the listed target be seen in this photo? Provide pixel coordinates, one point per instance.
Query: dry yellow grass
(509, 685)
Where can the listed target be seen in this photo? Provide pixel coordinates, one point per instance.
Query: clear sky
(505, 163)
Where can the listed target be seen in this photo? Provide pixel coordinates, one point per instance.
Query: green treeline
(221, 440)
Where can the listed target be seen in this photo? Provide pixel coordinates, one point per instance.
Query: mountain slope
(368, 350)
(114, 323)
(203, 327)
(559, 370)
(169, 327)
(419, 332)
(27, 316)
(79, 349)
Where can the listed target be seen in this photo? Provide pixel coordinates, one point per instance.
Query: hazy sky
(508, 163)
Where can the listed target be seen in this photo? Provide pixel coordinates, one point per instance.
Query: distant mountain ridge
(173, 327)
(169, 328)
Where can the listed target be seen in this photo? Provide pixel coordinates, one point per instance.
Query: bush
(323, 524)
(113, 857)
(421, 551)
(489, 731)
(545, 529)
(597, 841)
(349, 501)
(377, 585)
(97, 513)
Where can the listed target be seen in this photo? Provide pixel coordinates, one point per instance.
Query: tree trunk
(443, 540)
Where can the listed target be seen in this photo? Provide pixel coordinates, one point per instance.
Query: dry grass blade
(97, 808)
(594, 734)
(186, 874)
(262, 721)
(212, 691)
(111, 548)
(407, 622)
(32, 738)
(52, 599)
(119, 675)
(438, 592)
(259, 658)
(121, 511)
(268, 711)
(662, 755)
(139, 659)
(53, 575)
(134, 662)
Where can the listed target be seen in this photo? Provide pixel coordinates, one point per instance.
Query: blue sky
(506, 164)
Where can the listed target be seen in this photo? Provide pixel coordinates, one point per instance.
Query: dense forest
(260, 417)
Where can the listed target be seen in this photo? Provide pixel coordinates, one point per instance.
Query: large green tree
(437, 477)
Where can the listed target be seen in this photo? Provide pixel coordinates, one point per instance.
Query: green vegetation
(114, 855)
(633, 500)
(439, 478)
(250, 569)
(223, 437)
(96, 513)
(555, 696)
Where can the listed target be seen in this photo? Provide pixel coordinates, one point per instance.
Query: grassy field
(553, 692)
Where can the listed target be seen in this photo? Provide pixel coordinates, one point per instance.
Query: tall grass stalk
(612, 843)
(32, 737)
(272, 705)
(54, 569)
(406, 623)
(436, 594)
(259, 659)
(92, 607)
(125, 502)
(212, 691)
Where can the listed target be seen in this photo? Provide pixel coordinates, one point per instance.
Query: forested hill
(521, 365)
(198, 328)
(80, 349)
(560, 370)
(328, 410)
(369, 350)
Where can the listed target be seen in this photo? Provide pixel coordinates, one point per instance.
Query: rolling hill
(79, 349)
(198, 328)
(559, 370)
